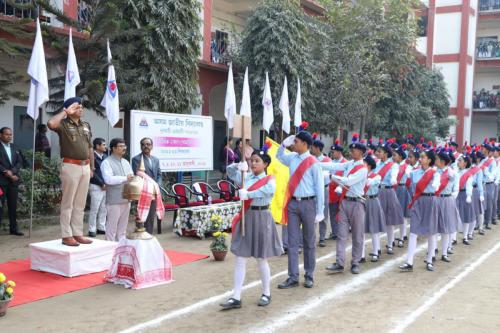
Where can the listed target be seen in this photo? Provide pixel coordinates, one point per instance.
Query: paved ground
(461, 296)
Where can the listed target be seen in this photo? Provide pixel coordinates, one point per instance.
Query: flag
(72, 74)
(267, 103)
(230, 104)
(245, 109)
(37, 70)
(282, 174)
(297, 116)
(285, 108)
(110, 101)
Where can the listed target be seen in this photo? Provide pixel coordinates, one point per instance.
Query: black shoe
(264, 300)
(101, 232)
(465, 241)
(430, 267)
(469, 237)
(289, 283)
(17, 233)
(445, 259)
(355, 269)
(405, 238)
(322, 243)
(406, 268)
(454, 242)
(481, 232)
(401, 242)
(231, 304)
(374, 257)
(92, 234)
(334, 237)
(362, 260)
(494, 222)
(335, 268)
(309, 282)
(450, 251)
(487, 227)
(285, 251)
(389, 250)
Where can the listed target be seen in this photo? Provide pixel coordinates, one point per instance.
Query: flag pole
(32, 178)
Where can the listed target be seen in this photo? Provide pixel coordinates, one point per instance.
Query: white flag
(110, 100)
(267, 103)
(230, 104)
(37, 70)
(245, 109)
(297, 116)
(285, 108)
(72, 74)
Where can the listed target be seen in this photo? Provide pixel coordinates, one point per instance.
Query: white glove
(319, 218)
(338, 190)
(243, 166)
(481, 198)
(454, 195)
(243, 194)
(289, 141)
(468, 200)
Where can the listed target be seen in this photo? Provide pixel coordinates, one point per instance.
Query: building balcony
(486, 101)
(489, 6)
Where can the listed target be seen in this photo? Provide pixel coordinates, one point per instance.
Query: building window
(218, 47)
(489, 5)
(487, 47)
(422, 26)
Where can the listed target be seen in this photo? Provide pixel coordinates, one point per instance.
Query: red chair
(183, 195)
(228, 190)
(169, 207)
(205, 189)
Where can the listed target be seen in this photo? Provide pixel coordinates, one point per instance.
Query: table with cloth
(195, 221)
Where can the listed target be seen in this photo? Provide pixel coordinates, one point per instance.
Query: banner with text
(181, 142)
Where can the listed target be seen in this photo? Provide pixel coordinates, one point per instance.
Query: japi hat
(304, 135)
(317, 142)
(410, 140)
(263, 152)
(356, 144)
(337, 146)
(401, 150)
(385, 146)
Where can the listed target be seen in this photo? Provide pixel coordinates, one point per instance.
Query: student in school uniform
(464, 199)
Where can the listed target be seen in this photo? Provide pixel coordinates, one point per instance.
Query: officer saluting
(77, 167)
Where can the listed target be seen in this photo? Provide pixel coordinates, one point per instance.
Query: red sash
(444, 181)
(469, 173)
(401, 173)
(421, 185)
(294, 182)
(247, 203)
(334, 197)
(486, 163)
(344, 190)
(370, 176)
(384, 170)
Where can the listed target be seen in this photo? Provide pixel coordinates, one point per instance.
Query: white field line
(408, 320)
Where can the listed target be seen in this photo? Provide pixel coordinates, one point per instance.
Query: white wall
(486, 81)
(450, 74)
(441, 3)
(483, 125)
(422, 45)
(447, 33)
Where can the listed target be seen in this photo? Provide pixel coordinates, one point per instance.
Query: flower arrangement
(220, 237)
(6, 288)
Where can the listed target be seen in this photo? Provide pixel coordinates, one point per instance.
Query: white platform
(53, 257)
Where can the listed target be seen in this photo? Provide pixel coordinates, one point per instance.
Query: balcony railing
(488, 48)
(9, 10)
(486, 100)
(489, 5)
(218, 47)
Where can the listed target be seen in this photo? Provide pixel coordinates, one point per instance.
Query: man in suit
(10, 165)
(152, 169)
(97, 189)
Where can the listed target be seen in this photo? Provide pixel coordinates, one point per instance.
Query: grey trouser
(323, 224)
(334, 210)
(489, 194)
(352, 213)
(301, 213)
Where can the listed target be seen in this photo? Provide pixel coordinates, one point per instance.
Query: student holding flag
(424, 208)
(303, 207)
(261, 239)
(352, 205)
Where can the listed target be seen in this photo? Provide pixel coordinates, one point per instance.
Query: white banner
(181, 142)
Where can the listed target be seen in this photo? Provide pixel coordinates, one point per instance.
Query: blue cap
(71, 100)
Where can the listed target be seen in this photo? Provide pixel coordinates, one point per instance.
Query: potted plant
(6, 293)
(219, 245)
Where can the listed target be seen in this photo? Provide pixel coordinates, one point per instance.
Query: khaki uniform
(75, 141)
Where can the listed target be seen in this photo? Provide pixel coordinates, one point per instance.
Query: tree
(277, 40)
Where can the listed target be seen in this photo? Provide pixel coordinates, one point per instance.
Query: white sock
(445, 241)
(431, 248)
(453, 237)
(412, 246)
(390, 235)
(466, 229)
(480, 221)
(402, 229)
(239, 276)
(376, 242)
(265, 276)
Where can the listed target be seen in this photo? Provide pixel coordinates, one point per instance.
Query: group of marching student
(379, 190)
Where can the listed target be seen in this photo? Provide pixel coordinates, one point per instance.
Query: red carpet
(33, 285)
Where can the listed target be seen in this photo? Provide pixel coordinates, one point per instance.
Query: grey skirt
(477, 205)
(466, 210)
(404, 199)
(261, 238)
(448, 216)
(424, 216)
(374, 217)
(391, 207)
